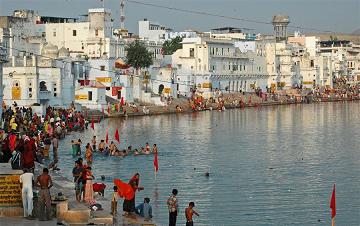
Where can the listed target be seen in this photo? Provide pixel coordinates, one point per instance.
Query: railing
(44, 95)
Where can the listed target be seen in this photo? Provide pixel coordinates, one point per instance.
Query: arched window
(43, 86)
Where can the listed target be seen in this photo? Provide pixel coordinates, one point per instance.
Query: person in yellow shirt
(14, 126)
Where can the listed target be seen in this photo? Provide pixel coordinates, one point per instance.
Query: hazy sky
(334, 15)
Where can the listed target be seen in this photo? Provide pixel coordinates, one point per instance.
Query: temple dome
(63, 52)
(50, 50)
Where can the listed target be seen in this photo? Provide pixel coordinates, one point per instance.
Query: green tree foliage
(138, 56)
(170, 46)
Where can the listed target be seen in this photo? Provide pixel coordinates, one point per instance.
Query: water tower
(280, 23)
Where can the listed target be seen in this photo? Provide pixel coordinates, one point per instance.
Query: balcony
(44, 95)
(236, 56)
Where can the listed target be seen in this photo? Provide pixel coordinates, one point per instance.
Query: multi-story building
(92, 37)
(46, 80)
(207, 63)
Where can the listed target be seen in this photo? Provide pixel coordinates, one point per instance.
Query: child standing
(114, 201)
(189, 212)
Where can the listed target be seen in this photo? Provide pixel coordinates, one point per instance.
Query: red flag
(122, 102)
(92, 122)
(156, 163)
(333, 203)
(117, 136)
(107, 137)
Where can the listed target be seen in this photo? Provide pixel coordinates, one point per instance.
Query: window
(96, 32)
(74, 32)
(192, 54)
(213, 67)
(222, 51)
(54, 33)
(89, 95)
(54, 89)
(102, 67)
(30, 90)
(311, 63)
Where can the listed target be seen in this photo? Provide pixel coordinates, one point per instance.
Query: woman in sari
(89, 192)
(129, 205)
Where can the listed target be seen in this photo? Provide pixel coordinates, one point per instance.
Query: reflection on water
(268, 166)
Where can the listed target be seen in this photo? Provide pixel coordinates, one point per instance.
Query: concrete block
(106, 220)
(76, 216)
(11, 212)
(61, 208)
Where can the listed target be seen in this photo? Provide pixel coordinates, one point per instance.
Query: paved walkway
(19, 221)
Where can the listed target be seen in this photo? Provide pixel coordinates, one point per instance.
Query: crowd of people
(27, 137)
(111, 149)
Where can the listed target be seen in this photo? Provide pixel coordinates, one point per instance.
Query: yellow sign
(252, 86)
(16, 93)
(308, 82)
(103, 79)
(81, 97)
(273, 85)
(206, 85)
(10, 191)
(281, 84)
(167, 90)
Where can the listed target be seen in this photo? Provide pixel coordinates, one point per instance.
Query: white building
(45, 81)
(152, 31)
(208, 63)
(92, 37)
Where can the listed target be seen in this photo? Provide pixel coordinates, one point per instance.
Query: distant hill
(356, 32)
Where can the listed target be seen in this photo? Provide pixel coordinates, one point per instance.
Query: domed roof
(63, 52)
(281, 19)
(50, 50)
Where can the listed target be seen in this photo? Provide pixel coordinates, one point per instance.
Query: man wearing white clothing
(27, 180)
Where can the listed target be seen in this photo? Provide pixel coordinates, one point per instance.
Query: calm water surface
(268, 166)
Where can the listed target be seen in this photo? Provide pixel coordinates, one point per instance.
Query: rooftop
(223, 30)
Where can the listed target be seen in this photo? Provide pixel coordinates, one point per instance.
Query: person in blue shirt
(144, 209)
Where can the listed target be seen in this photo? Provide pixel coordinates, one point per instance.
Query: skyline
(347, 13)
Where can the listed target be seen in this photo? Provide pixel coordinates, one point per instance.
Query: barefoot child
(189, 212)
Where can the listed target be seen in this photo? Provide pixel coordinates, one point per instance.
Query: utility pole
(122, 14)
(3, 59)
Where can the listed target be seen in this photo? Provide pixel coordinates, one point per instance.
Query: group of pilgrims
(109, 149)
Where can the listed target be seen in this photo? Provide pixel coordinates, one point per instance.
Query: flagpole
(333, 221)
(156, 173)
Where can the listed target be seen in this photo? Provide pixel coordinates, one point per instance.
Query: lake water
(268, 166)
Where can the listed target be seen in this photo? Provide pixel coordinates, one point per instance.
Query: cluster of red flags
(117, 136)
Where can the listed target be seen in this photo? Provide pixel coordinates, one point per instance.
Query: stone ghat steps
(71, 212)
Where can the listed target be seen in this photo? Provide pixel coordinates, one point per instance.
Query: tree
(170, 46)
(138, 56)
